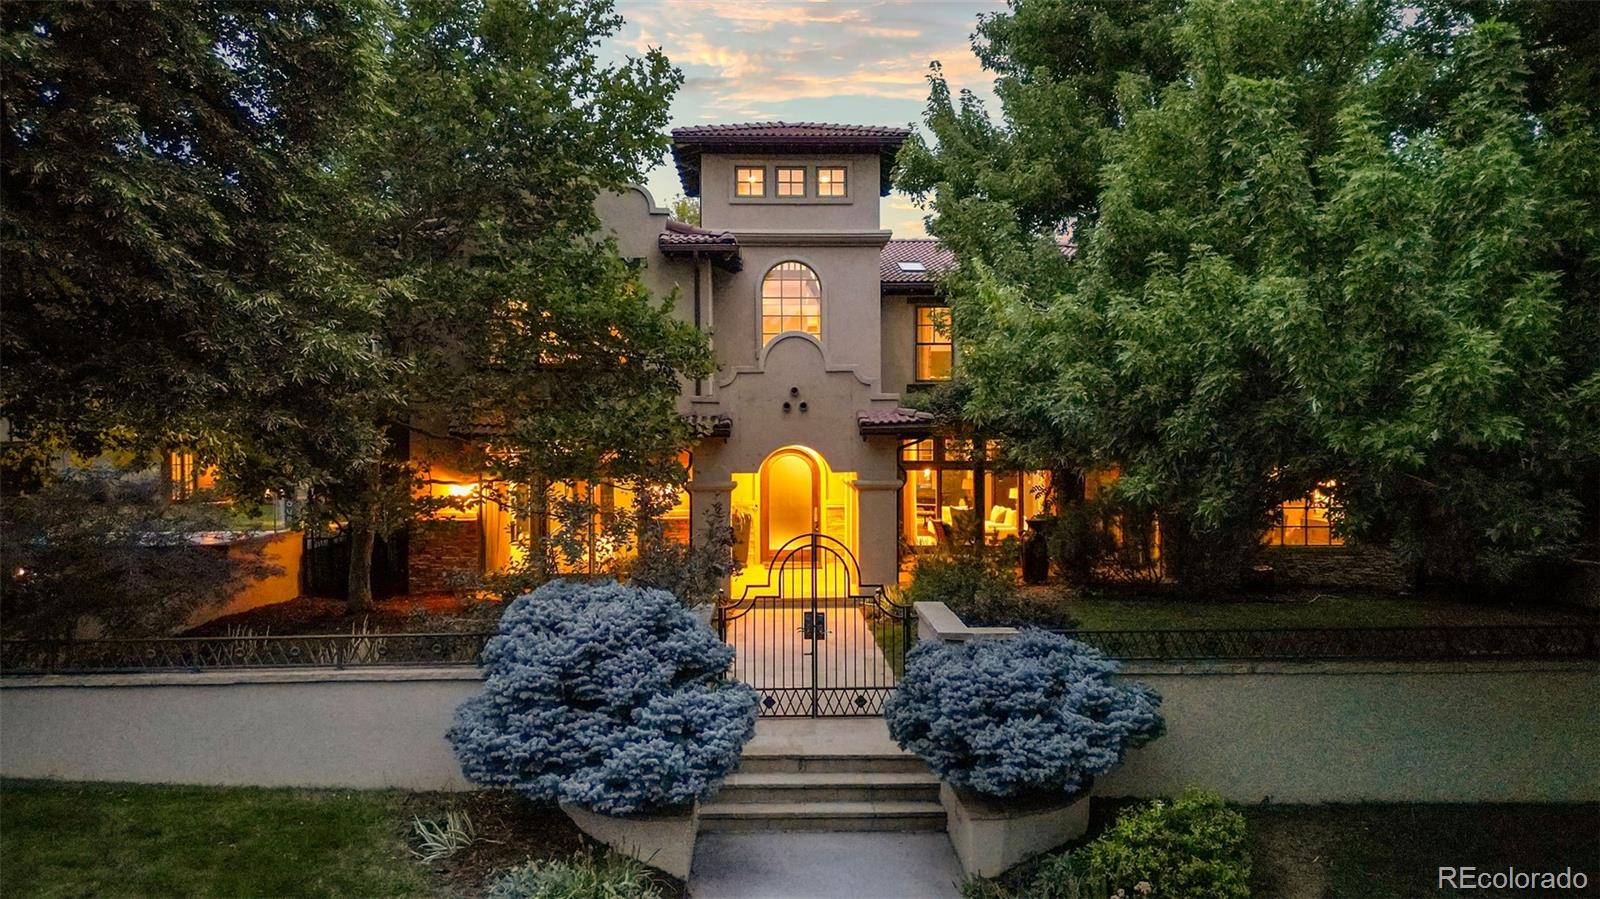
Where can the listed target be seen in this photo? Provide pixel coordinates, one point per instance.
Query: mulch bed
(417, 613)
(511, 831)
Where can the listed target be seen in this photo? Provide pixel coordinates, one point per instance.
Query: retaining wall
(1300, 732)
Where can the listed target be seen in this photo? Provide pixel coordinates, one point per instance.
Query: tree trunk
(362, 535)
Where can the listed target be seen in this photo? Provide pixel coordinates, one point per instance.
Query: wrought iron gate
(813, 640)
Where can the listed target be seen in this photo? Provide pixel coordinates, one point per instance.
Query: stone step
(824, 786)
(823, 763)
(744, 817)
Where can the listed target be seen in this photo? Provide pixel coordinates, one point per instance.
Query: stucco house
(822, 323)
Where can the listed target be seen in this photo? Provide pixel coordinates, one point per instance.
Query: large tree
(289, 236)
(166, 168)
(1327, 240)
(506, 308)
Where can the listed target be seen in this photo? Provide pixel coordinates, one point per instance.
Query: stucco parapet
(375, 674)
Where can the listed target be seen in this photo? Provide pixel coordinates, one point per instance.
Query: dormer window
(791, 181)
(831, 181)
(791, 300)
(750, 181)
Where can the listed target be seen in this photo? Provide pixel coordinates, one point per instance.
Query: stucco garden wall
(1500, 732)
(1352, 731)
(316, 728)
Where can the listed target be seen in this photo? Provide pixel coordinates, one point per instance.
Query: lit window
(750, 181)
(791, 300)
(830, 181)
(791, 181)
(920, 451)
(934, 351)
(1304, 522)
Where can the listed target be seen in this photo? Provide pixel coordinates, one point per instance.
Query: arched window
(791, 300)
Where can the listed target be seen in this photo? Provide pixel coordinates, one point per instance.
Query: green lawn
(1306, 610)
(1395, 851)
(116, 840)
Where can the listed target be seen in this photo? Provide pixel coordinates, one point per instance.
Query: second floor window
(934, 351)
(791, 181)
(830, 181)
(791, 300)
(750, 181)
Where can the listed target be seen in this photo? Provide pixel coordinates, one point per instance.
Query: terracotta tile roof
(927, 252)
(899, 420)
(783, 137)
(679, 234)
(789, 132)
(931, 255)
(683, 239)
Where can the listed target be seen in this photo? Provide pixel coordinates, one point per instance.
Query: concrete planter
(664, 841)
(992, 835)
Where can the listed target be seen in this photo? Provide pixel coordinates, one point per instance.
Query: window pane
(933, 363)
(934, 357)
(831, 181)
(791, 301)
(750, 181)
(791, 182)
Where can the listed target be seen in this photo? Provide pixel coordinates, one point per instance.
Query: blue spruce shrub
(1030, 715)
(607, 696)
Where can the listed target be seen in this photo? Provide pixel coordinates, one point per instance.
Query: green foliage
(582, 877)
(300, 238)
(979, 583)
(169, 279)
(102, 545)
(685, 209)
(1313, 241)
(695, 572)
(972, 579)
(1190, 848)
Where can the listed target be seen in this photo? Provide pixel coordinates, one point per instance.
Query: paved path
(824, 866)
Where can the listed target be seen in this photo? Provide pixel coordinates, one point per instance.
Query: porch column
(703, 496)
(877, 510)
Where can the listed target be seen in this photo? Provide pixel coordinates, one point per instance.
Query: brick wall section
(440, 549)
(1343, 567)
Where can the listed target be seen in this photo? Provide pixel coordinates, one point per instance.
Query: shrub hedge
(1035, 714)
(607, 696)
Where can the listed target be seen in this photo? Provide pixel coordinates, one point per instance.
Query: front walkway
(825, 866)
(834, 865)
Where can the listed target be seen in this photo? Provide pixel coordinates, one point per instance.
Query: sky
(859, 63)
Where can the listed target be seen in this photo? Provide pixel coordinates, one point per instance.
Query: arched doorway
(791, 498)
